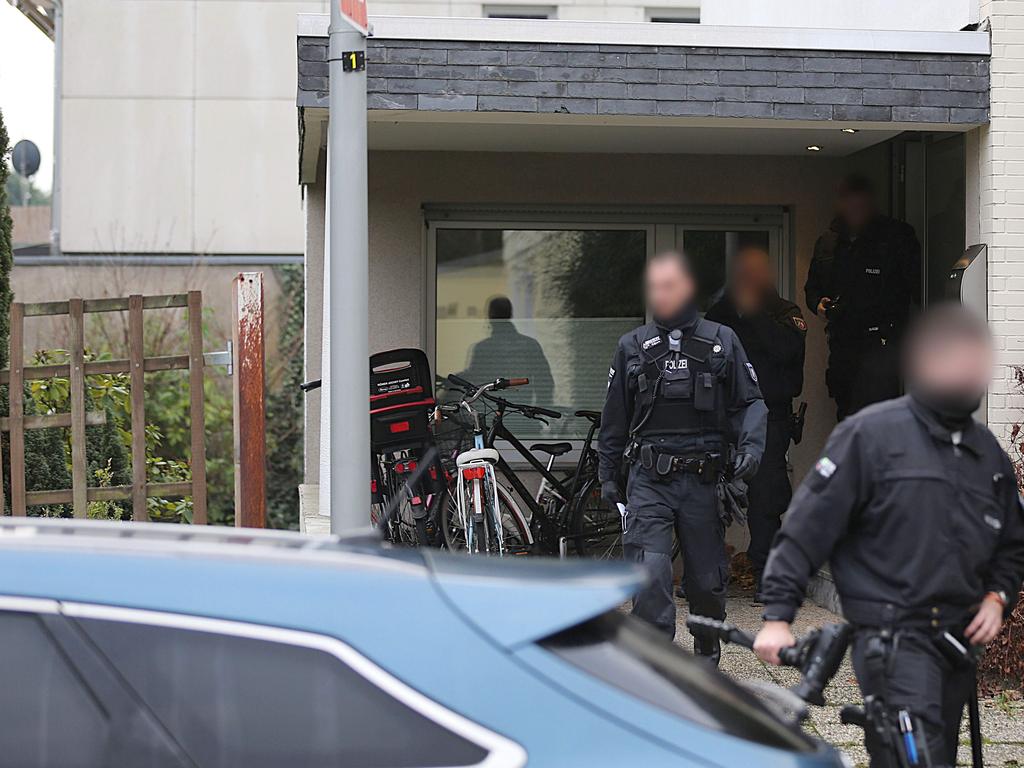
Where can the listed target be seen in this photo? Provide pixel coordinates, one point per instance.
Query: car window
(47, 715)
(235, 702)
(638, 659)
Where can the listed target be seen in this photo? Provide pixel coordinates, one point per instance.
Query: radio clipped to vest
(677, 388)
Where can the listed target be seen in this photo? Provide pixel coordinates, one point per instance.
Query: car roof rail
(110, 530)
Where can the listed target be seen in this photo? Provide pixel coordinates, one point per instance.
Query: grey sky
(26, 86)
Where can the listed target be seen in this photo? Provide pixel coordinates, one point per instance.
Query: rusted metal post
(249, 401)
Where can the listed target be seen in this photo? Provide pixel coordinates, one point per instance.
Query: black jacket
(743, 403)
(914, 526)
(875, 278)
(774, 341)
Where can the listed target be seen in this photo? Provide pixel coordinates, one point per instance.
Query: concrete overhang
(550, 86)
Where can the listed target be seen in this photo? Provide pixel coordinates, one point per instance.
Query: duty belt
(881, 615)
(707, 466)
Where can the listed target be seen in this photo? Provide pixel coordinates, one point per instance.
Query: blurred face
(956, 370)
(670, 288)
(856, 209)
(752, 274)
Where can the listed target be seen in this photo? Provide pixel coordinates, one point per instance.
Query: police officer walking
(772, 332)
(680, 391)
(915, 505)
(863, 280)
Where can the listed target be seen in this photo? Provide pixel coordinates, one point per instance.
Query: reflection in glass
(549, 305)
(710, 253)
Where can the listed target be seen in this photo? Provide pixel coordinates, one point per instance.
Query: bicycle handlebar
(545, 412)
(461, 382)
(474, 392)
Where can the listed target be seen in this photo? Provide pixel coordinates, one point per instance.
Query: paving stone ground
(1002, 717)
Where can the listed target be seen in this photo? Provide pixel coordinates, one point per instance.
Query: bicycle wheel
(515, 529)
(596, 530)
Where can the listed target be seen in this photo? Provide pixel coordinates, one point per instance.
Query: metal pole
(249, 382)
(58, 125)
(349, 278)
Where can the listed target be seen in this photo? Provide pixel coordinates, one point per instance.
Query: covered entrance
(509, 164)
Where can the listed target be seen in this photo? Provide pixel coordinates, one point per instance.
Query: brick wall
(1001, 209)
(670, 81)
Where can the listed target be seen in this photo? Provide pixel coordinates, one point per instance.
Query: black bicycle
(564, 516)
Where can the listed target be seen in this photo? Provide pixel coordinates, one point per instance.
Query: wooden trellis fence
(76, 369)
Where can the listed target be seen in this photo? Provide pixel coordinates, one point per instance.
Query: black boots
(709, 648)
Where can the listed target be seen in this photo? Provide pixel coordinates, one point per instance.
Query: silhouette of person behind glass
(508, 353)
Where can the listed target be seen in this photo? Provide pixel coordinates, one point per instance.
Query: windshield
(636, 658)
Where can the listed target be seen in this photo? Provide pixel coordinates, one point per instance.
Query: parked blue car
(161, 645)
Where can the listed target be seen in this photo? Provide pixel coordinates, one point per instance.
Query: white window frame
(681, 15)
(664, 227)
(501, 751)
(519, 11)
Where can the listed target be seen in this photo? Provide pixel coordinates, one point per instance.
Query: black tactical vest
(681, 392)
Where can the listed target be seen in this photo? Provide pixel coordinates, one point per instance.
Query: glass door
(712, 249)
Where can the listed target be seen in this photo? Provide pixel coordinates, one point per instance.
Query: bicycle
(405, 502)
(566, 513)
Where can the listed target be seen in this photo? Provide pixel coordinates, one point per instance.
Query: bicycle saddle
(594, 416)
(475, 456)
(552, 449)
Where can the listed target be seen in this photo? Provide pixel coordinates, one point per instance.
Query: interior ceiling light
(849, 130)
(814, 148)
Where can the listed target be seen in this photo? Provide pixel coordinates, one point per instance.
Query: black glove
(732, 502)
(611, 494)
(744, 466)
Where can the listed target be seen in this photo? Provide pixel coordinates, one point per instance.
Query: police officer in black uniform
(680, 391)
(772, 332)
(864, 279)
(915, 505)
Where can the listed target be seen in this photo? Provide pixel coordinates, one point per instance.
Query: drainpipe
(58, 92)
(348, 252)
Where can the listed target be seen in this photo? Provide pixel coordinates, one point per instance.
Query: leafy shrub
(1003, 662)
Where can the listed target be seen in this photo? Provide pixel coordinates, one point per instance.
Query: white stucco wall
(1000, 215)
(177, 115)
(938, 15)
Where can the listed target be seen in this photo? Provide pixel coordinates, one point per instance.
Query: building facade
(544, 160)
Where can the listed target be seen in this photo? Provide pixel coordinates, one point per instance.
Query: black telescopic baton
(974, 718)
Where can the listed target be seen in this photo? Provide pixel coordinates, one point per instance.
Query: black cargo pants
(769, 492)
(919, 678)
(862, 372)
(679, 504)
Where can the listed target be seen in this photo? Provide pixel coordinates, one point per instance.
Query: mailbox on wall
(968, 284)
(968, 279)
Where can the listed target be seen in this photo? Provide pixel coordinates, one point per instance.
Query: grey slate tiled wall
(647, 80)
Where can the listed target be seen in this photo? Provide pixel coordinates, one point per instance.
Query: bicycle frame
(565, 492)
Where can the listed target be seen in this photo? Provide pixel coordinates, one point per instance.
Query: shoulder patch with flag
(752, 372)
(825, 467)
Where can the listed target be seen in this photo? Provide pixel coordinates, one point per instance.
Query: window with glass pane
(546, 304)
(710, 252)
